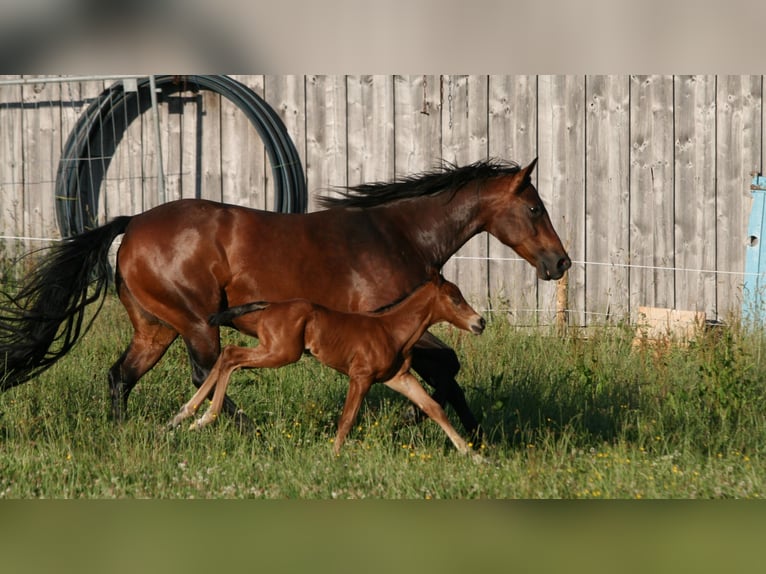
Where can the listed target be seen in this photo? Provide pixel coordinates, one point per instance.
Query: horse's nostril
(564, 263)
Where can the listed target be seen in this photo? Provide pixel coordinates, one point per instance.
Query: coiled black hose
(90, 146)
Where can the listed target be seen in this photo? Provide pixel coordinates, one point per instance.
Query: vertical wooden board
(325, 135)
(464, 140)
(512, 133)
(41, 152)
(739, 152)
(150, 160)
(695, 129)
(607, 209)
(243, 156)
(172, 153)
(209, 134)
(73, 104)
(130, 159)
(166, 140)
(76, 98)
(561, 183)
(417, 124)
(651, 188)
(287, 95)
(191, 143)
(11, 170)
(370, 129)
(115, 196)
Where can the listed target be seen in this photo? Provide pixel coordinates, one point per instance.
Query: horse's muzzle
(553, 270)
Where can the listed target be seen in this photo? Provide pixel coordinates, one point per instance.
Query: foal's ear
(435, 275)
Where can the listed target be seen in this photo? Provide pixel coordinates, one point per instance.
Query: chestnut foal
(368, 347)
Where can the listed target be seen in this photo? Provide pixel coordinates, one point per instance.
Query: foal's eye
(535, 210)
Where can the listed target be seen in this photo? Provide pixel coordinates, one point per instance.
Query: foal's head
(450, 305)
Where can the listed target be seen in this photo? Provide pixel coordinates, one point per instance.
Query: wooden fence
(646, 177)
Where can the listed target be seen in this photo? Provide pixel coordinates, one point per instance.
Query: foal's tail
(226, 316)
(41, 320)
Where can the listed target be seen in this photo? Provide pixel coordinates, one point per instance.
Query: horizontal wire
(621, 265)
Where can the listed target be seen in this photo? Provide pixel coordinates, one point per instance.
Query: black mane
(447, 178)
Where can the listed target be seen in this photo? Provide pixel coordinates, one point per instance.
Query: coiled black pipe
(90, 146)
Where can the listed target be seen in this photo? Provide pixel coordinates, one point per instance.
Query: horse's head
(450, 305)
(515, 214)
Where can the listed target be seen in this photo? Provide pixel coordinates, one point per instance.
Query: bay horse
(367, 347)
(182, 261)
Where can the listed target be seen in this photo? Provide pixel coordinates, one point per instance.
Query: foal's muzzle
(477, 327)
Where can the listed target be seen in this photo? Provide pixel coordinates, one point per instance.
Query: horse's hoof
(243, 422)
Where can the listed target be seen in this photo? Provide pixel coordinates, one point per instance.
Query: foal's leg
(203, 344)
(190, 408)
(409, 386)
(358, 387)
(233, 358)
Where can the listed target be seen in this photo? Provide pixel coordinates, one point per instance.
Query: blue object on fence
(753, 296)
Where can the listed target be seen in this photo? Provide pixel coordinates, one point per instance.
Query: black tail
(43, 319)
(226, 316)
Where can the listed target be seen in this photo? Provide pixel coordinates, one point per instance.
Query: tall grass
(570, 417)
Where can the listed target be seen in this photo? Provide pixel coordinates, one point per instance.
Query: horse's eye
(535, 210)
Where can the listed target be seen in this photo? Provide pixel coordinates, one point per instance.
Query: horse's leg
(358, 386)
(408, 385)
(150, 341)
(438, 364)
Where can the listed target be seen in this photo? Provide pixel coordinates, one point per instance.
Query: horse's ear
(525, 174)
(527, 171)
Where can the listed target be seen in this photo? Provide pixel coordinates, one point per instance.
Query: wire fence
(610, 181)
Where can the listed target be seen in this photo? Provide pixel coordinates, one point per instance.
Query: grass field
(565, 417)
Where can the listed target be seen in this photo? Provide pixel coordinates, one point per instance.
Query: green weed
(564, 417)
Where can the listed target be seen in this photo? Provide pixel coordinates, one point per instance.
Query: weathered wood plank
(210, 148)
(417, 121)
(171, 122)
(651, 206)
(607, 210)
(122, 189)
(11, 170)
(243, 157)
(512, 132)
(41, 150)
(370, 129)
(739, 141)
(695, 201)
(326, 147)
(561, 182)
(464, 140)
(191, 120)
(287, 95)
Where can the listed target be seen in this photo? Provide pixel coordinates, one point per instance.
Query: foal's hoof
(176, 421)
(181, 416)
